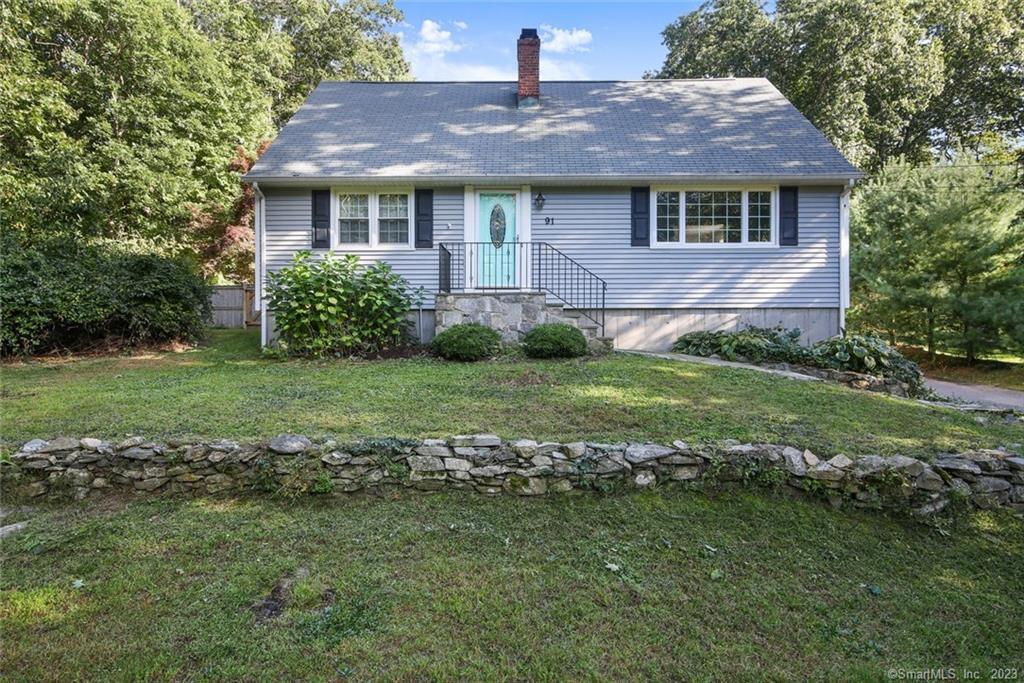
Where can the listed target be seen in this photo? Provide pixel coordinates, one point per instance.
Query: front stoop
(513, 314)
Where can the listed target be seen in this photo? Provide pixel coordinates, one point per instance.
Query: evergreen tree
(937, 254)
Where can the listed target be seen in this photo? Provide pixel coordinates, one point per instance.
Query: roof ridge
(636, 80)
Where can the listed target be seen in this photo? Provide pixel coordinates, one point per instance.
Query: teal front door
(496, 253)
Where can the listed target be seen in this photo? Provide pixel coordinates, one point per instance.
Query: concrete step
(576, 318)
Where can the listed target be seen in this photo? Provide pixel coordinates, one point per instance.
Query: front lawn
(663, 585)
(225, 389)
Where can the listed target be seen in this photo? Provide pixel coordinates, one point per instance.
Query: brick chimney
(528, 52)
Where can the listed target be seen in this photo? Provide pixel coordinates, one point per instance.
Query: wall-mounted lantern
(538, 201)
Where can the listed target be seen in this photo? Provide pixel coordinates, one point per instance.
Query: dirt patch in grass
(105, 348)
(275, 602)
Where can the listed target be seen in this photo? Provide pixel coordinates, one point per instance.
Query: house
(637, 210)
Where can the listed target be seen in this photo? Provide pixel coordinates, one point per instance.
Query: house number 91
(548, 220)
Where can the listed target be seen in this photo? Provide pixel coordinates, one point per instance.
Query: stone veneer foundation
(512, 314)
(76, 468)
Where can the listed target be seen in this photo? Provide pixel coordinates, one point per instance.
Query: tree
(882, 79)
(289, 46)
(983, 53)
(132, 120)
(722, 38)
(144, 103)
(937, 256)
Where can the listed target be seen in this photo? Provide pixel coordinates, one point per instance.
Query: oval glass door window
(497, 226)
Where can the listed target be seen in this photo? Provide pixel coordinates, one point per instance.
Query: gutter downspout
(844, 254)
(260, 248)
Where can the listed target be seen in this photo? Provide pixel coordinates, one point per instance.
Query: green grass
(461, 587)
(225, 389)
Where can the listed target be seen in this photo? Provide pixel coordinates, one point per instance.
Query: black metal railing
(531, 266)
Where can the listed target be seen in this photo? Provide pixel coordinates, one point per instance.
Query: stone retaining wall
(854, 380)
(291, 464)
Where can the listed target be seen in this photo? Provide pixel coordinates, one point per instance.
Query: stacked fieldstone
(76, 468)
(512, 315)
(854, 380)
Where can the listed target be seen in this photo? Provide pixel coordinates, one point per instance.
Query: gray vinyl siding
(288, 230)
(593, 227)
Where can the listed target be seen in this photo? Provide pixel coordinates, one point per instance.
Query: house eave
(555, 181)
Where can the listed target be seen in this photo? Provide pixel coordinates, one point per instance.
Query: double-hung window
(715, 217)
(375, 219)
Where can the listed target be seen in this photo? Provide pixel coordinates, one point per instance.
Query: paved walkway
(981, 394)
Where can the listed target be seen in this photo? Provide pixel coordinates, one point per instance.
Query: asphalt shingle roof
(713, 128)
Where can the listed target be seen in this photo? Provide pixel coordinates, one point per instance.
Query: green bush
(554, 340)
(753, 344)
(73, 296)
(336, 307)
(868, 354)
(467, 342)
(857, 353)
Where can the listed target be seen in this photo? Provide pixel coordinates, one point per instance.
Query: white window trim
(744, 236)
(844, 255)
(374, 216)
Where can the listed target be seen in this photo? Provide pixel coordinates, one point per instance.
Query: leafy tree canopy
(882, 79)
(133, 119)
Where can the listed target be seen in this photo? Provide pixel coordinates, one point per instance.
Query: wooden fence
(233, 306)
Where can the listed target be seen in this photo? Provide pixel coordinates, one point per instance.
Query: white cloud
(430, 50)
(434, 40)
(562, 40)
(461, 25)
(428, 55)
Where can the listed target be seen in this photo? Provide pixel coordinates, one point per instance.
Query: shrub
(554, 340)
(338, 306)
(72, 296)
(869, 354)
(857, 353)
(755, 344)
(467, 342)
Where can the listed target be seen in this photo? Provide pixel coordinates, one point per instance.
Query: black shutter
(789, 216)
(640, 221)
(424, 219)
(321, 219)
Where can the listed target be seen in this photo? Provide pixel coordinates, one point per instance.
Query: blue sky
(459, 41)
